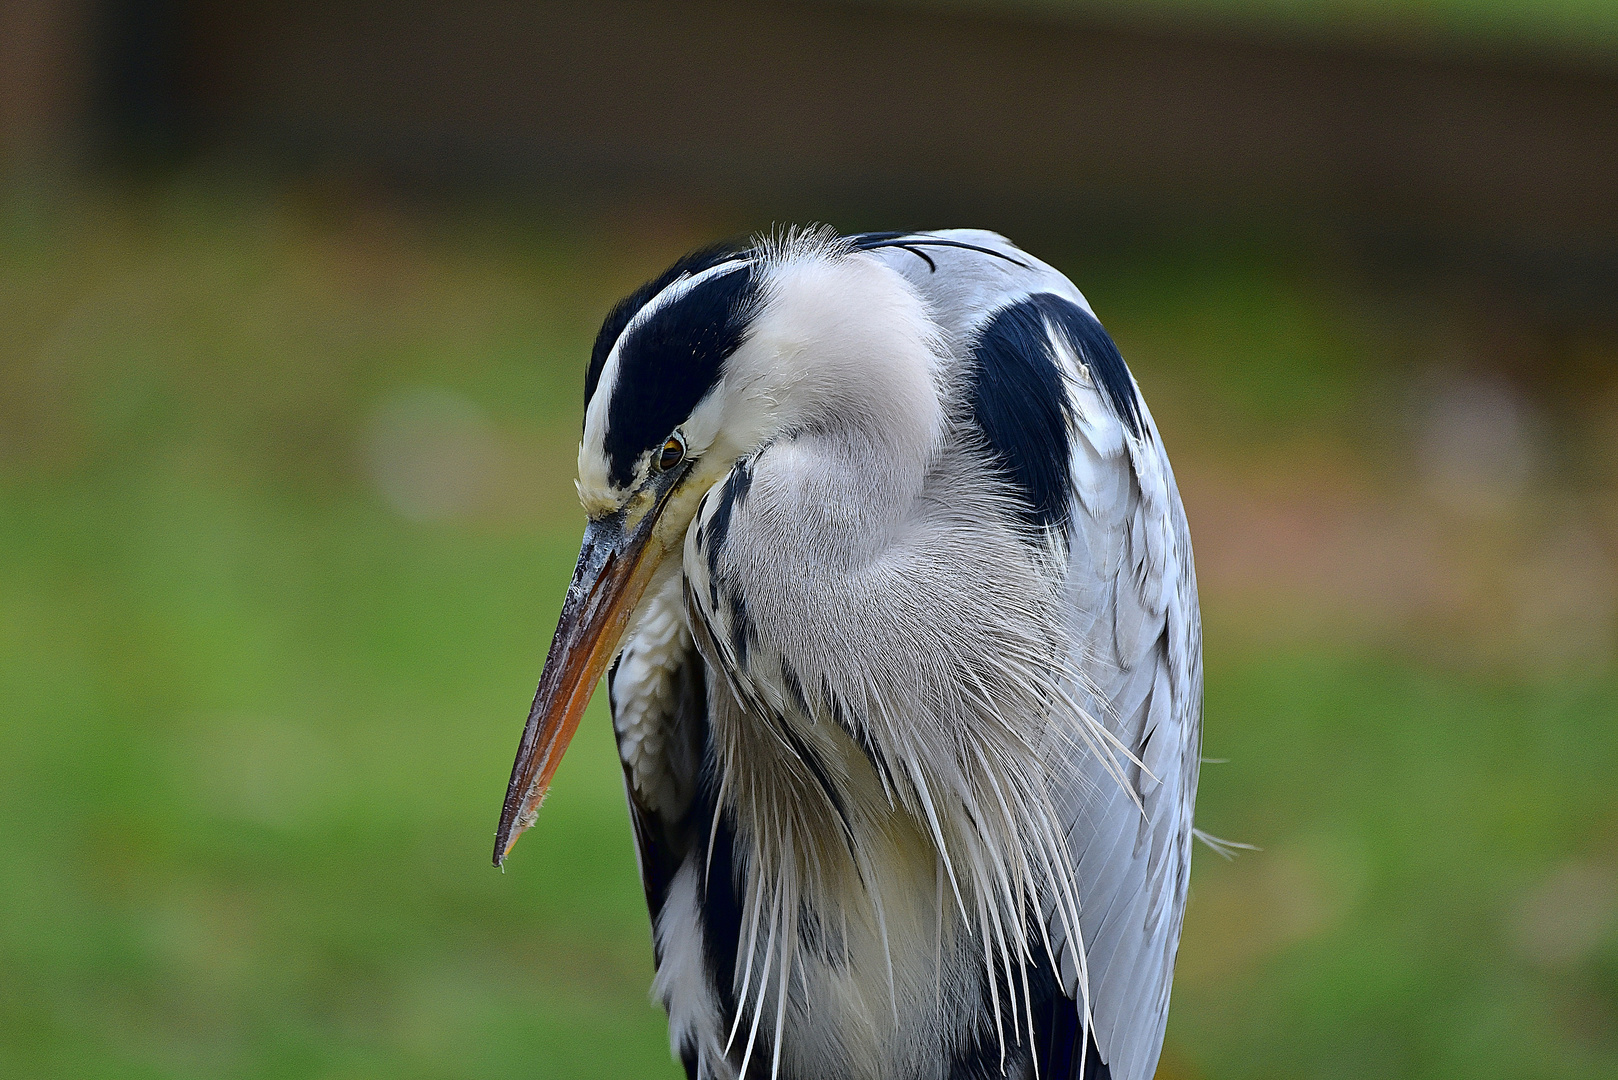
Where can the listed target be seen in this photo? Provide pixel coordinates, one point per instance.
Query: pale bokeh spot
(264, 770)
(1477, 445)
(1567, 916)
(433, 455)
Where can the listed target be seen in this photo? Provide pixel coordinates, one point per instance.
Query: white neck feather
(881, 743)
(843, 348)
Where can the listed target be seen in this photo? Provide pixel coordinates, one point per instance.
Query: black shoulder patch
(623, 311)
(1019, 400)
(668, 363)
(1061, 1048)
(1096, 348)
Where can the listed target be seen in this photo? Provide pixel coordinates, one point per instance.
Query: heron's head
(726, 351)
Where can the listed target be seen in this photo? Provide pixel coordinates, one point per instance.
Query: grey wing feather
(1137, 638)
(1137, 635)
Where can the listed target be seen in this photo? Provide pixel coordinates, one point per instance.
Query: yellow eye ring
(672, 454)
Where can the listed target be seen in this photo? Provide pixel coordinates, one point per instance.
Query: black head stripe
(627, 308)
(669, 361)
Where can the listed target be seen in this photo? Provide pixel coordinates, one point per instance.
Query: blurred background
(295, 300)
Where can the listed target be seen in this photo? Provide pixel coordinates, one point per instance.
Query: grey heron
(890, 569)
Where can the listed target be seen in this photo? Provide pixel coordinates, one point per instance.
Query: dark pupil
(672, 453)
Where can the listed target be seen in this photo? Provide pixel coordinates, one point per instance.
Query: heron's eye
(672, 454)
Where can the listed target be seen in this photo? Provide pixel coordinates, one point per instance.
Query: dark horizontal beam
(779, 104)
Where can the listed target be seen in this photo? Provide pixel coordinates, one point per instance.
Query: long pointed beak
(614, 568)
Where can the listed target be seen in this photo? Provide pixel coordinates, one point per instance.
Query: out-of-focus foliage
(1577, 27)
(285, 520)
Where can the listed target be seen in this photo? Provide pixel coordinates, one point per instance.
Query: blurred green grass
(1580, 28)
(257, 722)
